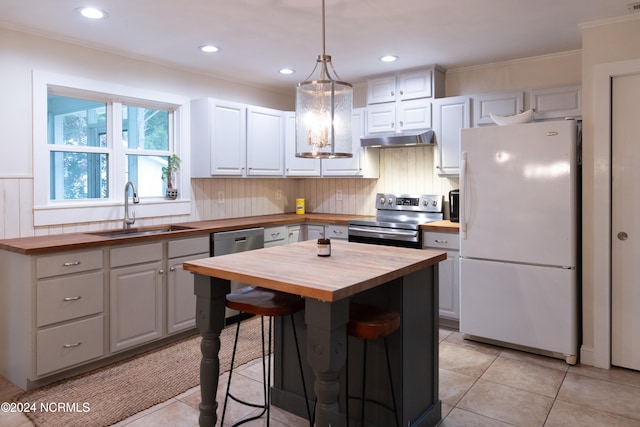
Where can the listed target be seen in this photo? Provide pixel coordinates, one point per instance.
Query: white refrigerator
(518, 236)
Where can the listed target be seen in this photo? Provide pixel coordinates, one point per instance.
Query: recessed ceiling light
(208, 48)
(287, 71)
(92, 13)
(389, 58)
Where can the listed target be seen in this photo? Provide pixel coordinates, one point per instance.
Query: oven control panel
(407, 202)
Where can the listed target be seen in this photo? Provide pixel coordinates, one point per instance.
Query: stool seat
(264, 302)
(370, 323)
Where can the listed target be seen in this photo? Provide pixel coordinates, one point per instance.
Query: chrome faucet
(129, 219)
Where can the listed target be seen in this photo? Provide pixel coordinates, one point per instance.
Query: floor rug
(115, 392)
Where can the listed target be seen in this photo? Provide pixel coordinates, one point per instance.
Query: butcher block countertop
(296, 268)
(444, 225)
(74, 241)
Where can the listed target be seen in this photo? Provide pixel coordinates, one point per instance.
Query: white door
(625, 239)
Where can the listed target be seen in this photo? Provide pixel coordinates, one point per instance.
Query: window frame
(48, 212)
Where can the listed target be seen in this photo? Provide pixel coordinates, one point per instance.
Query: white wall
(20, 53)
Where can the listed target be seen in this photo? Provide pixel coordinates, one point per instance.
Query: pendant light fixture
(323, 111)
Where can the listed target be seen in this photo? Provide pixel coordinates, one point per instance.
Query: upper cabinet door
(450, 115)
(218, 138)
(381, 118)
(228, 139)
(382, 89)
(501, 104)
(556, 103)
(417, 84)
(414, 114)
(364, 162)
(265, 142)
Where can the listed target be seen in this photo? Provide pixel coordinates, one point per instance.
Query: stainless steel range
(397, 221)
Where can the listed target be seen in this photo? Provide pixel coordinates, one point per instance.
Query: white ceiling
(258, 37)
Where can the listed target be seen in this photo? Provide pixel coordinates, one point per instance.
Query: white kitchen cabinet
(501, 104)
(276, 236)
(235, 140)
(265, 142)
(450, 115)
(556, 102)
(448, 274)
(339, 232)
(294, 233)
(136, 297)
(218, 138)
(314, 231)
(423, 83)
(296, 166)
(365, 162)
(400, 116)
(69, 305)
(181, 299)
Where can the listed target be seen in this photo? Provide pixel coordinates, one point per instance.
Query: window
(90, 138)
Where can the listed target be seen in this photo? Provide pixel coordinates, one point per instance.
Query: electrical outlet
(338, 195)
(279, 195)
(220, 196)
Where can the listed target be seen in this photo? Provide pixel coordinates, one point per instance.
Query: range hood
(394, 139)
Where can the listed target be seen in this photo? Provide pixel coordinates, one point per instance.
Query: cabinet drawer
(273, 234)
(130, 255)
(337, 232)
(442, 240)
(66, 263)
(65, 298)
(67, 345)
(191, 246)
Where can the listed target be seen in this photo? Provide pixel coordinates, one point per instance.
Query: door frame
(601, 227)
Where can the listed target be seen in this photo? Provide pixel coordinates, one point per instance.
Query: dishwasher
(231, 242)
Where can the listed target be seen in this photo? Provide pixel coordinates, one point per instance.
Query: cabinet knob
(172, 269)
(401, 92)
(401, 123)
(393, 93)
(161, 272)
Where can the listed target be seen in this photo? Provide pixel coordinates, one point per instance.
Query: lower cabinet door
(136, 313)
(69, 344)
(181, 299)
(449, 286)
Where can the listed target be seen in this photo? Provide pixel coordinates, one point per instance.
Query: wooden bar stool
(266, 303)
(370, 323)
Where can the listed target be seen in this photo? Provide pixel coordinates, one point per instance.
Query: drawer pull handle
(71, 264)
(77, 344)
(71, 298)
(441, 241)
(275, 234)
(338, 232)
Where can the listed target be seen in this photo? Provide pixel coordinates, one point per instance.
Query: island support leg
(326, 354)
(210, 320)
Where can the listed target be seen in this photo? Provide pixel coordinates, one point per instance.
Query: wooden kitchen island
(398, 278)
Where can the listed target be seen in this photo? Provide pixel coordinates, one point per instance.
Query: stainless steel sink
(136, 232)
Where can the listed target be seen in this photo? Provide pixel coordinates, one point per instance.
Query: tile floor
(480, 385)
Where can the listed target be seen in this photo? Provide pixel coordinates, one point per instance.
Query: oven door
(377, 235)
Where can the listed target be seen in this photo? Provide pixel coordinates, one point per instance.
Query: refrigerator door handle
(463, 195)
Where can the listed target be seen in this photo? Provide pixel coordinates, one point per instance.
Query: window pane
(77, 122)
(78, 175)
(146, 173)
(145, 128)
